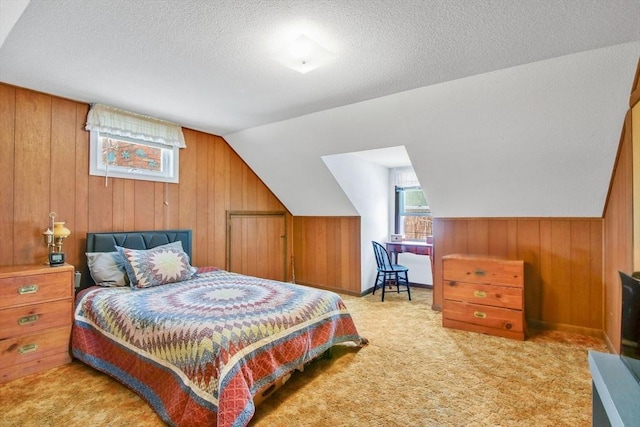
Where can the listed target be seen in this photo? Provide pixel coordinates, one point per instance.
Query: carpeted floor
(414, 372)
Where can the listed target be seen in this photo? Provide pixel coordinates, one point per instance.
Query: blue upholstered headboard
(107, 242)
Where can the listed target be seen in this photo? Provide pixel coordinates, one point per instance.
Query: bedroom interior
(573, 227)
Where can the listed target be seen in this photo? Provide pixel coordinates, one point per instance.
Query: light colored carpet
(414, 372)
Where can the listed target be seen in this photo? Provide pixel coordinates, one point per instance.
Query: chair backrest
(382, 256)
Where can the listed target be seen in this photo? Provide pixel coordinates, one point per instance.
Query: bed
(204, 349)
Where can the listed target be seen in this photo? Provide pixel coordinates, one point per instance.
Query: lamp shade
(60, 231)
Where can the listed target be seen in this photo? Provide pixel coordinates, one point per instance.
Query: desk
(418, 248)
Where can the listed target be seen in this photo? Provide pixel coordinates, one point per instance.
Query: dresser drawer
(491, 317)
(478, 293)
(27, 348)
(472, 269)
(32, 318)
(35, 288)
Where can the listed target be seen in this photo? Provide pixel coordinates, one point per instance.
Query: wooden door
(256, 244)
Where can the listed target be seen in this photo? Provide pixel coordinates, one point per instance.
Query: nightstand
(36, 313)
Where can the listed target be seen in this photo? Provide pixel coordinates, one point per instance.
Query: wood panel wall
(44, 166)
(327, 252)
(621, 216)
(563, 264)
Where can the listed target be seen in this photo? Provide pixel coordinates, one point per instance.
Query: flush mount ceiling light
(303, 55)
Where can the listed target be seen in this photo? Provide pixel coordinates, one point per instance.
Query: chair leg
(406, 278)
(375, 284)
(384, 285)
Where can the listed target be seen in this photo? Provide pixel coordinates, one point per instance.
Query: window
(123, 157)
(412, 214)
(131, 145)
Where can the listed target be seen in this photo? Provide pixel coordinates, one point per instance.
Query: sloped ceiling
(505, 107)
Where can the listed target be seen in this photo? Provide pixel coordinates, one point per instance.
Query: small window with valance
(134, 146)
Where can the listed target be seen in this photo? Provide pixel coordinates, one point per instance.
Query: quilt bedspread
(199, 350)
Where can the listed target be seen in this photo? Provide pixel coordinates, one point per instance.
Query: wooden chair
(388, 273)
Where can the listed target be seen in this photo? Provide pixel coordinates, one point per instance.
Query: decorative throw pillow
(107, 269)
(157, 266)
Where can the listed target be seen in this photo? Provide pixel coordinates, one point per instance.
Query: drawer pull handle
(480, 314)
(480, 294)
(480, 272)
(28, 289)
(28, 348)
(28, 319)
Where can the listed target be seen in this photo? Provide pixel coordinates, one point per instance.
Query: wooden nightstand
(36, 312)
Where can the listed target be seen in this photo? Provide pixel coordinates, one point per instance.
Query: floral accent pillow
(107, 269)
(157, 266)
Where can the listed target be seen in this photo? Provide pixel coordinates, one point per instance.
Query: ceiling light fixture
(303, 55)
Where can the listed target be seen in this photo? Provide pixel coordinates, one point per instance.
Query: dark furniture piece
(389, 273)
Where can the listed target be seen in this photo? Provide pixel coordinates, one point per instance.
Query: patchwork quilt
(199, 350)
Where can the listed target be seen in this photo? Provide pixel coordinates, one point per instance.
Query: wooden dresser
(483, 294)
(36, 309)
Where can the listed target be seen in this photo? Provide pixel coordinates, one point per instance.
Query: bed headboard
(107, 242)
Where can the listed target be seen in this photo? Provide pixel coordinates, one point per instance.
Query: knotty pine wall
(563, 264)
(44, 167)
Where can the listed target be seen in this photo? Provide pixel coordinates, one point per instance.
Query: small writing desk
(418, 248)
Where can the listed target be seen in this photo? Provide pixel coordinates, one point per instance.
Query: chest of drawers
(485, 295)
(36, 309)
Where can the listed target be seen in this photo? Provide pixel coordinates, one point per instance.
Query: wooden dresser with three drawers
(483, 294)
(36, 309)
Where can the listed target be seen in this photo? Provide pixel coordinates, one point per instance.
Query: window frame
(399, 211)
(170, 160)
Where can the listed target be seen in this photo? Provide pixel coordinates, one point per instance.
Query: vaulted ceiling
(519, 98)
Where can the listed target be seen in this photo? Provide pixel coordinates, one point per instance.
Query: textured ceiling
(207, 64)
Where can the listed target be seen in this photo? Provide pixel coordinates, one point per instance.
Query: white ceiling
(518, 98)
(207, 64)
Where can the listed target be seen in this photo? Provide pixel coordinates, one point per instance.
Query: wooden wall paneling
(118, 204)
(144, 205)
(33, 171)
(236, 170)
(528, 243)
(187, 208)
(346, 262)
(63, 133)
(158, 205)
(172, 209)
(129, 194)
(81, 187)
(332, 252)
(580, 310)
(353, 243)
(556, 271)
(478, 237)
(211, 199)
(221, 197)
(202, 192)
(7, 169)
(618, 227)
(499, 238)
(595, 303)
(101, 202)
(327, 252)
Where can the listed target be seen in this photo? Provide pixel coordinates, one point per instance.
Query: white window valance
(404, 177)
(117, 122)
